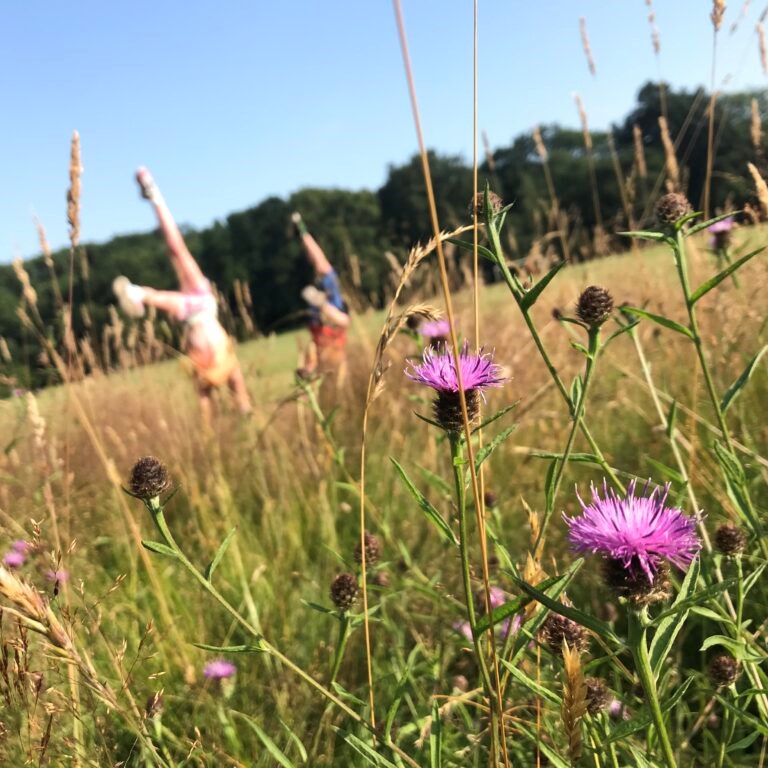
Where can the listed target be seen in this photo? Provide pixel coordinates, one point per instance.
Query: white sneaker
(296, 217)
(128, 296)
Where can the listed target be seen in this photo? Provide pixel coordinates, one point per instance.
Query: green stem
(639, 648)
(593, 351)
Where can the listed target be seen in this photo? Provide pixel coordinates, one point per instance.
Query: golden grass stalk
(756, 127)
(599, 233)
(584, 122)
(5, 352)
(574, 700)
(761, 188)
(718, 10)
(762, 46)
(489, 158)
(45, 248)
(587, 47)
(637, 137)
(670, 160)
(561, 221)
(73, 193)
(655, 39)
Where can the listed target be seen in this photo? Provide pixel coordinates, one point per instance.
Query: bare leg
(171, 302)
(236, 384)
(206, 405)
(191, 278)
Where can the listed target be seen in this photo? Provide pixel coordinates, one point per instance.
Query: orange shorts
(328, 336)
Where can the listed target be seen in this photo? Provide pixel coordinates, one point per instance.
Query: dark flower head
(490, 499)
(381, 579)
(598, 695)
(372, 550)
(634, 585)
(638, 531)
(557, 628)
(219, 669)
(594, 306)
(730, 539)
(724, 669)
(477, 204)
(149, 478)
(344, 591)
(671, 208)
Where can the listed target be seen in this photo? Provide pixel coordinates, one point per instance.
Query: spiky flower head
(372, 550)
(438, 370)
(344, 591)
(637, 531)
(598, 695)
(594, 306)
(730, 539)
(671, 207)
(13, 559)
(477, 204)
(724, 669)
(219, 669)
(149, 478)
(435, 329)
(557, 628)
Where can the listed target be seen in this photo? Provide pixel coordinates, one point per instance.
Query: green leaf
(672, 419)
(575, 394)
(296, 740)
(668, 628)
(590, 622)
(630, 326)
(730, 465)
(583, 458)
(709, 222)
(371, 756)
(214, 564)
(580, 348)
(489, 448)
(707, 286)
(429, 421)
(736, 647)
(532, 685)
(531, 297)
(434, 480)
(495, 416)
(647, 235)
(431, 513)
(744, 717)
(747, 741)
(549, 486)
(669, 473)
(467, 246)
(270, 745)
(436, 738)
(159, 548)
(697, 598)
(230, 648)
(660, 319)
(741, 382)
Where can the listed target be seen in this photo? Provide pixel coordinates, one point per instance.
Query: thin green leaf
(429, 421)
(532, 685)
(744, 717)
(467, 246)
(230, 648)
(623, 329)
(708, 285)
(646, 235)
(668, 628)
(549, 486)
(736, 647)
(741, 382)
(671, 419)
(159, 548)
(270, 745)
(580, 348)
(431, 513)
(583, 458)
(214, 564)
(696, 598)
(436, 738)
(669, 473)
(489, 448)
(747, 741)
(751, 580)
(296, 740)
(531, 297)
(371, 756)
(660, 319)
(709, 222)
(496, 416)
(434, 480)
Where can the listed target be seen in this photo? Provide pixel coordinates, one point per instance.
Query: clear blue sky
(231, 101)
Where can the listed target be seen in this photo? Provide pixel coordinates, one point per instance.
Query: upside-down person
(329, 316)
(208, 346)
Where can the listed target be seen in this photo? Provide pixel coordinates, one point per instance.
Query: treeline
(587, 195)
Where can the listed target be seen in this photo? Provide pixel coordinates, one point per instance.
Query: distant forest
(257, 249)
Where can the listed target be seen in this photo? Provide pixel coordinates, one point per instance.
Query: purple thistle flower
(721, 234)
(435, 329)
(438, 370)
(59, 576)
(21, 546)
(638, 531)
(219, 669)
(14, 559)
(725, 225)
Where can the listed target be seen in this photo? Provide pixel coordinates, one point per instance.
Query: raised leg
(236, 384)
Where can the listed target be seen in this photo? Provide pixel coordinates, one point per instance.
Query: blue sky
(229, 102)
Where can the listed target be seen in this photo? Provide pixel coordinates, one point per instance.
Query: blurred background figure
(329, 316)
(208, 346)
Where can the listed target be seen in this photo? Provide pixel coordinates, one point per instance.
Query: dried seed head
(633, 584)
(671, 208)
(594, 306)
(477, 204)
(447, 409)
(149, 478)
(490, 499)
(381, 579)
(344, 591)
(730, 539)
(724, 669)
(372, 550)
(557, 628)
(598, 695)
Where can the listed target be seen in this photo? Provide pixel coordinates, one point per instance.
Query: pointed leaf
(159, 548)
(489, 448)
(707, 286)
(269, 745)
(214, 564)
(532, 685)
(660, 319)
(531, 297)
(371, 756)
(709, 222)
(426, 507)
(645, 235)
(496, 416)
(741, 382)
(436, 737)
(467, 246)
(230, 648)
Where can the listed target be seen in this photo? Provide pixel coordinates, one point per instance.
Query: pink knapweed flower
(21, 546)
(725, 225)
(438, 370)
(219, 669)
(14, 559)
(435, 329)
(638, 531)
(60, 576)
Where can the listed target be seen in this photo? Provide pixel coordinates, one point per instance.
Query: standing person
(329, 316)
(208, 345)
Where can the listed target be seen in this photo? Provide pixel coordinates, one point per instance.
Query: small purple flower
(21, 546)
(438, 370)
(503, 630)
(638, 531)
(59, 576)
(219, 669)
(14, 559)
(721, 234)
(435, 329)
(725, 225)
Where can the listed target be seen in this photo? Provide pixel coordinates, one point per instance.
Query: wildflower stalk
(518, 293)
(577, 417)
(158, 517)
(638, 646)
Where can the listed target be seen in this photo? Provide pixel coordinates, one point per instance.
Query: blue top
(329, 285)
